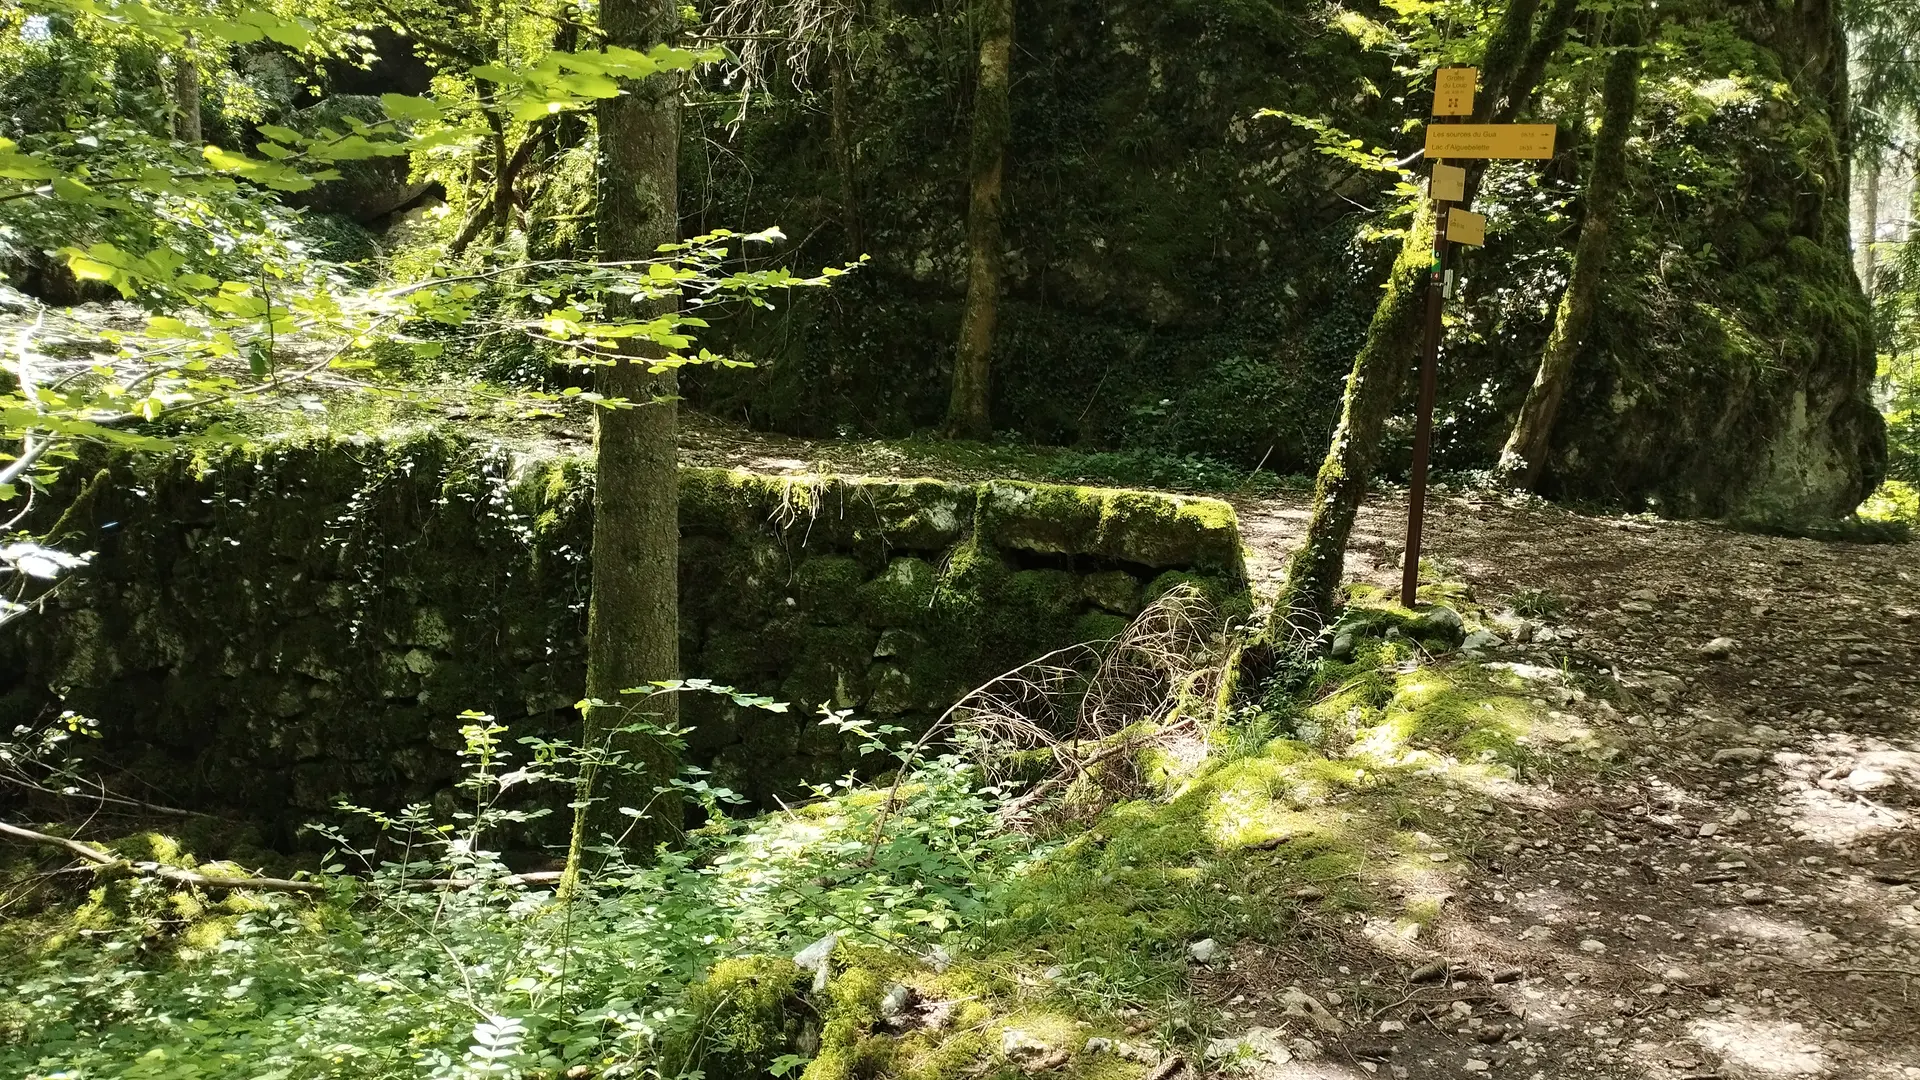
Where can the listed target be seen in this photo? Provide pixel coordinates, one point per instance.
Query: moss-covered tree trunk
(186, 98)
(1525, 455)
(633, 620)
(967, 411)
(1311, 594)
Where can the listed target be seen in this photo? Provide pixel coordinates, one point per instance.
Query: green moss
(900, 596)
(744, 1014)
(828, 587)
(1098, 626)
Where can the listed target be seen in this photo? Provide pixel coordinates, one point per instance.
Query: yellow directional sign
(1453, 91)
(1449, 183)
(1466, 227)
(1489, 141)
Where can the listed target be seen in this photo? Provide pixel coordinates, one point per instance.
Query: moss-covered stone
(902, 595)
(1113, 590)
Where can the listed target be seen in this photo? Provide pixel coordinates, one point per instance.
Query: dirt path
(1732, 896)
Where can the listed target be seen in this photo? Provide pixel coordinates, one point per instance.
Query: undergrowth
(912, 931)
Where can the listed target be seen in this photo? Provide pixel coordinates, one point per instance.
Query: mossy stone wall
(264, 631)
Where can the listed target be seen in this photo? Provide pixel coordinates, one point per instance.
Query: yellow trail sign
(1489, 141)
(1453, 91)
(1449, 183)
(1466, 227)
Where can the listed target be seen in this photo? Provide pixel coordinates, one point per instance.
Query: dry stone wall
(266, 631)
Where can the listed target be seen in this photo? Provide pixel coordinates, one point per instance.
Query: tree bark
(1311, 593)
(633, 624)
(186, 99)
(842, 93)
(1870, 226)
(1525, 455)
(967, 411)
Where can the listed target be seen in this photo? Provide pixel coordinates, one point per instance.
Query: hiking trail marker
(1453, 95)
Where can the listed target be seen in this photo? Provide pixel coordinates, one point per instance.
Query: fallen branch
(156, 870)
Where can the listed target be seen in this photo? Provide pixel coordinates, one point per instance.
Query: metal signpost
(1453, 96)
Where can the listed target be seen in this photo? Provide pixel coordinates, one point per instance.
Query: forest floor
(1729, 894)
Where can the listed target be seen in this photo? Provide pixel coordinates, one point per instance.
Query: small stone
(1740, 816)
(1589, 945)
(1475, 1065)
(1754, 896)
(1342, 649)
(1481, 640)
(1392, 1027)
(1098, 1045)
(1709, 829)
(898, 998)
(1203, 951)
(1438, 621)
(1439, 856)
(1298, 1003)
(1737, 753)
(1717, 648)
(1020, 1046)
(1308, 892)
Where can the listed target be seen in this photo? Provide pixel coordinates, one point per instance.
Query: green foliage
(485, 978)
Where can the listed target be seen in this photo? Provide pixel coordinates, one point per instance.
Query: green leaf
(405, 107)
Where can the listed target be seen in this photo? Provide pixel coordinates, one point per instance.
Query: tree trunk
(633, 623)
(502, 212)
(186, 99)
(842, 94)
(1311, 594)
(1870, 226)
(967, 413)
(1525, 454)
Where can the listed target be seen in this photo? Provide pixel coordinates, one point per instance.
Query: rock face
(1764, 413)
(1200, 279)
(266, 632)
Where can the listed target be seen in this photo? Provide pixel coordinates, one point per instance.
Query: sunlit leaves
(569, 80)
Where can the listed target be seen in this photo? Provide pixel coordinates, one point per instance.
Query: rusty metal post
(1423, 422)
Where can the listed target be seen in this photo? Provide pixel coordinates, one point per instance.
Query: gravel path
(1732, 895)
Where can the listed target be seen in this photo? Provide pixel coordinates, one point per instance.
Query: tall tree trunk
(1311, 594)
(1869, 226)
(633, 620)
(186, 98)
(1525, 455)
(842, 120)
(967, 413)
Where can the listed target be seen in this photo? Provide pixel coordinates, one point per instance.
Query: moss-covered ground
(1082, 949)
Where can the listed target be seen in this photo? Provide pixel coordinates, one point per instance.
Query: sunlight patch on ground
(1770, 1047)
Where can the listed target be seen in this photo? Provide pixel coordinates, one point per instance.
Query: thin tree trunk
(1870, 228)
(967, 411)
(842, 92)
(186, 98)
(633, 624)
(1525, 454)
(1311, 594)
